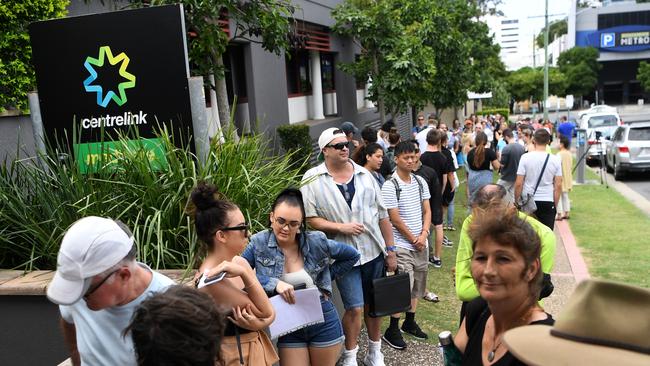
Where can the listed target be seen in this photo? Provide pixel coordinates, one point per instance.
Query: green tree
(500, 95)
(528, 83)
(555, 29)
(643, 75)
(16, 70)
(393, 54)
(580, 66)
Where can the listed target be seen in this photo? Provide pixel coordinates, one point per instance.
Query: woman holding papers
(222, 227)
(287, 256)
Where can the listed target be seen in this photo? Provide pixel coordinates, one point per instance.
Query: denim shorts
(355, 285)
(320, 335)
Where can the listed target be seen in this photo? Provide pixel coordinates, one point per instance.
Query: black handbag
(390, 295)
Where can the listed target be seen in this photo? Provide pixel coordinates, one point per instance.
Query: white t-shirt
(421, 138)
(409, 205)
(99, 333)
(531, 165)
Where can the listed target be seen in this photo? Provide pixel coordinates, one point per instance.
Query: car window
(602, 121)
(639, 134)
(617, 135)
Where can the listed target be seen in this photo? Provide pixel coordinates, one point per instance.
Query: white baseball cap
(328, 135)
(91, 246)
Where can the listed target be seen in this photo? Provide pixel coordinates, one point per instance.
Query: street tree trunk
(380, 100)
(222, 99)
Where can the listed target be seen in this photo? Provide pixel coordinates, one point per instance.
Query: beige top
(567, 165)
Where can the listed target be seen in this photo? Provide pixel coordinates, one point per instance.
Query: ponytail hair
(292, 197)
(479, 150)
(209, 210)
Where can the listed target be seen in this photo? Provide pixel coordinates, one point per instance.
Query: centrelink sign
(629, 38)
(105, 74)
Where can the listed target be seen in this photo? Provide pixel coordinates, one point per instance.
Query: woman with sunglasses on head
(287, 256)
(221, 226)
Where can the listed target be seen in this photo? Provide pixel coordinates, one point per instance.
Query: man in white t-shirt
(406, 197)
(530, 167)
(98, 285)
(421, 136)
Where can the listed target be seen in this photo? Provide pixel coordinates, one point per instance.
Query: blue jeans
(320, 335)
(450, 211)
(355, 285)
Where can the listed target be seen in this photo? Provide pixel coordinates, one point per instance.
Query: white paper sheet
(291, 317)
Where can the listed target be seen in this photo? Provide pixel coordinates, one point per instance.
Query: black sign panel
(114, 71)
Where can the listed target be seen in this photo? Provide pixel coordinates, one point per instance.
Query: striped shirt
(409, 205)
(323, 199)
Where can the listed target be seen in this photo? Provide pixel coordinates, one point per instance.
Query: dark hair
(541, 137)
(369, 149)
(369, 134)
(433, 137)
(393, 136)
(209, 210)
(564, 141)
(479, 151)
(502, 224)
(443, 138)
(386, 127)
(292, 197)
(507, 133)
(404, 147)
(179, 327)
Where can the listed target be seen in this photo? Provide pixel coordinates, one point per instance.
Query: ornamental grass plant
(40, 199)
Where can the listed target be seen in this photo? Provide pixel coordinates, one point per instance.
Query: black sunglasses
(235, 228)
(339, 146)
(91, 291)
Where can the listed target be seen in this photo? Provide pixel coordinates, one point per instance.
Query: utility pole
(534, 39)
(546, 61)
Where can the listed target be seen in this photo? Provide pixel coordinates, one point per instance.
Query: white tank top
(298, 277)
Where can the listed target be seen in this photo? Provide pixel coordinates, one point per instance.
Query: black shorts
(436, 210)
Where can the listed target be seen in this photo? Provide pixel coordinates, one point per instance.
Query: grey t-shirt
(510, 157)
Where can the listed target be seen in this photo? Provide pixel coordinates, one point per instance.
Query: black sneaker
(414, 330)
(393, 337)
(436, 262)
(447, 243)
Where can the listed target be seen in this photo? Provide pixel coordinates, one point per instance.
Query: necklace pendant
(491, 356)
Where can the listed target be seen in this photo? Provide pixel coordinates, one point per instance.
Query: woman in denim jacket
(285, 256)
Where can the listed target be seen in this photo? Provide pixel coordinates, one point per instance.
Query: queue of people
(351, 222)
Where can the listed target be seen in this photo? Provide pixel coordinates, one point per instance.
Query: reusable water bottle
(450, 353)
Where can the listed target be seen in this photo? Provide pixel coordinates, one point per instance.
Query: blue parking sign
(608, 40)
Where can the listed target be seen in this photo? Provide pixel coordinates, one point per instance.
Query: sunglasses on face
(95, 288)
(243, 227)
(283, 222)
(339, 146)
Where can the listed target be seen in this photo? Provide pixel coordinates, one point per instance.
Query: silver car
(629, 149)
(599, 126)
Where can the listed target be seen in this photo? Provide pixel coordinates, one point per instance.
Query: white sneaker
(375, 358)
(349, 358)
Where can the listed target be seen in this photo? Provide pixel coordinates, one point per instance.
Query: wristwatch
(391, 248)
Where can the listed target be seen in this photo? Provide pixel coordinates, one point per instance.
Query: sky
(531, 17)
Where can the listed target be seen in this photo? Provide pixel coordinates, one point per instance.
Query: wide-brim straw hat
(604, 323)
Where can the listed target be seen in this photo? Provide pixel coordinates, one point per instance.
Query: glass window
(639, 134)
(235, 73)
(327, 72)
(298, 78)
(602, 121)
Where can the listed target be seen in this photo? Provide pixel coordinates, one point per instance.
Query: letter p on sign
(608, 40)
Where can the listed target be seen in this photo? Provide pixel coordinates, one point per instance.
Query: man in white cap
(98, 285)
(343, 200)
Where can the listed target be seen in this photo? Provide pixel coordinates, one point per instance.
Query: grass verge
(612, 233)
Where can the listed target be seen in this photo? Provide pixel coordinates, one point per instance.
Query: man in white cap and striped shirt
(98, 285)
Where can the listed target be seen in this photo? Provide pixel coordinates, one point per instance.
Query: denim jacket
(263, 254)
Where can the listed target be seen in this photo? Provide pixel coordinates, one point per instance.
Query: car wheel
(619, 174)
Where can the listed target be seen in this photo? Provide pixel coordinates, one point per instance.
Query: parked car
(600, 122)
(629, 149)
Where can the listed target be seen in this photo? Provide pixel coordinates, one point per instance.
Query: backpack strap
(398, 190)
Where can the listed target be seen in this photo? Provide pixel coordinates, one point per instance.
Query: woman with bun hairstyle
(221, 226)
(287, 256)
(479, 161)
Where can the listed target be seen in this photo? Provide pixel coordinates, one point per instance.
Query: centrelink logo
(104, 99)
